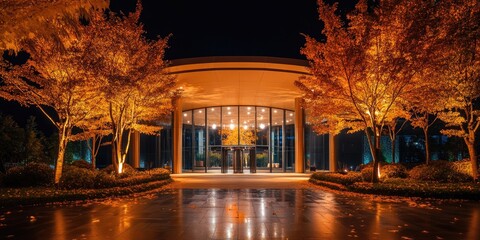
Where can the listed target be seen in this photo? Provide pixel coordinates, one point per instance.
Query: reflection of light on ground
(59, 220)
(262, 208)
(124, 222)
(229, 230)
(249, 230)
(473, 231)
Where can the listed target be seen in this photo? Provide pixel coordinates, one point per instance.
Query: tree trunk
(427, 146)
(118, 154)
(392, 141)
(114, 155)
(378, 151)
(374, 151)
(62, 144)
(93, 154)
(473, 158)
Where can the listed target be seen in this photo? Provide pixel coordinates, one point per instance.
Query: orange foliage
(360, 73)
(137, 89)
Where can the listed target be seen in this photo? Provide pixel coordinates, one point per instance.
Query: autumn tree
(230, 136)
(56, 78)
(425, 103)
(22, 19)
(460, 68)
(137, 89)
(363, 67)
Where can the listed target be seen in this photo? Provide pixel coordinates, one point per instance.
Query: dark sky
(228, 27)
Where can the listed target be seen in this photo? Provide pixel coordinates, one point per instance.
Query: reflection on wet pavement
(243, 214)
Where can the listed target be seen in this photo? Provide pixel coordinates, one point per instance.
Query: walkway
(240, 181)
(253, 206)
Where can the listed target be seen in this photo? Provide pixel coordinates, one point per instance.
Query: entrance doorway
(238, 160)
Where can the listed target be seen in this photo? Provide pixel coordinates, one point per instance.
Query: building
(237, 114)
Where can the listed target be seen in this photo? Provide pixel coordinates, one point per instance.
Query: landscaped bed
(78, 182)
(440, 180)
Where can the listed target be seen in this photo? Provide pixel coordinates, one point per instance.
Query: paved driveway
(244, 207)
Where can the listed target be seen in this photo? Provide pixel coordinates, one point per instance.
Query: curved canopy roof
(260, 81)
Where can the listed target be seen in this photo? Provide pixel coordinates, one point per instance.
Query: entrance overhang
(257, 81)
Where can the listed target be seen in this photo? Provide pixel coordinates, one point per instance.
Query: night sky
(228, 27)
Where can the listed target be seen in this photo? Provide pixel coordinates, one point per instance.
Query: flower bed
(469, 191)
(331, 185)
(31, 196)
(397, 186)
(80, 183)
(340, 178)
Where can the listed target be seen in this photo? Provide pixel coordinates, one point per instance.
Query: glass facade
(238, 139)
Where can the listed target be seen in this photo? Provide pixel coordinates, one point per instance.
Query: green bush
(437, 171)
(31, 175)
(77, 178)
(367, 173)
(341, 178)
(82, 164)
(393, 171)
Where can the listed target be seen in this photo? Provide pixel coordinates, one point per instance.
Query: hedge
(341, 178)
(36, 196)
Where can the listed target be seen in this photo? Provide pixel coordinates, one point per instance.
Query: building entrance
(238, 139)
(238, 160)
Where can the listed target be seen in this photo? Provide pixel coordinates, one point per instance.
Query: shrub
(31, 175)
(367, 173)
(437, 171)
(82, 164)
(128, 170)
(463, 166)
(104, 180)
(393, 171)
(341, 178)
(77, 178)
(410, 188)
(158, 171)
